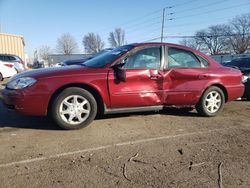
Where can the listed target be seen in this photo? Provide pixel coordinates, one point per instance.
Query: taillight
(9, 65)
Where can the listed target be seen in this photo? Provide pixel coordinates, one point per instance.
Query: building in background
(12, 44)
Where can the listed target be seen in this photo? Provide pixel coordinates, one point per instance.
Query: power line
(148, 24)
(215, 10)
(151, 21)
(125, 24)
(144, 27)
(202, 6)
(181, 4)
(193, 23)
(210, 4)
(193, 36)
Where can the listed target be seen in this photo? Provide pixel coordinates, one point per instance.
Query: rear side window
(178, 58)
(204, 63)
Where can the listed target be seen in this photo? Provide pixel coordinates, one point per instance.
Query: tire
(73, 108)
(1, 77)
(211, 102)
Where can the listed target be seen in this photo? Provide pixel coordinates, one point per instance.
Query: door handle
(202, 76)
(155, 74)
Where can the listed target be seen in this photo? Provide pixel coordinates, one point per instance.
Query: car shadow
(9, 119)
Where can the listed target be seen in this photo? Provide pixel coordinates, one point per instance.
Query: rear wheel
(74, 108)
(211, 102)
(1, 77)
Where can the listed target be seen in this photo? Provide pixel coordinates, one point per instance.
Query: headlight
(21, 83)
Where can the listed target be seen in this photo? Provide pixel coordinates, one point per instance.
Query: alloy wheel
(74, 109)
(213, 101)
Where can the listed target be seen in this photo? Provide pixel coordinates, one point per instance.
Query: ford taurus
(135, 77)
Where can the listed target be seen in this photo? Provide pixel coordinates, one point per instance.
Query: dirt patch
(167, 149)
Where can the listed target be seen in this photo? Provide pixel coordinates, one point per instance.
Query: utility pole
(163, 24)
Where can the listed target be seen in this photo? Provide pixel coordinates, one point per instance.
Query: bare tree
(117, 37)
(191, 42)
(239, 33)
(213, 39)
(44, 52)
(66, 44)
(92, 43)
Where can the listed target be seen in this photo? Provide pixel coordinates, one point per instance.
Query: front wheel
(211, 102)
(74, 108)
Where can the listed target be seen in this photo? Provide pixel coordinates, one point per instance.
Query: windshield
(108, 57)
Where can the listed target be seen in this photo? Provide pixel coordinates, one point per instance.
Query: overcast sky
(41, 22)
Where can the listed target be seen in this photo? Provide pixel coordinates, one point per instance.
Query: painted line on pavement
(109, 146)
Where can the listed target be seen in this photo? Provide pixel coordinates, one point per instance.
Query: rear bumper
(235, 92)
(35, 105)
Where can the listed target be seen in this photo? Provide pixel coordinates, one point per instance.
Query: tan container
(12, 44)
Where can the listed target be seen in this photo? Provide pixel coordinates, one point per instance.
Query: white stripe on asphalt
(109, 146)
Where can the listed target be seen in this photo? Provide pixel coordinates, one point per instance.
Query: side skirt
(133, 109)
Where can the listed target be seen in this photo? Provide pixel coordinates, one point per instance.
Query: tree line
(92, 43)
(233, 37)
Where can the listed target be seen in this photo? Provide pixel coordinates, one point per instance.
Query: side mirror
(120, 73)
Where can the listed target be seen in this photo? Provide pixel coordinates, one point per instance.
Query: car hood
(58, 72)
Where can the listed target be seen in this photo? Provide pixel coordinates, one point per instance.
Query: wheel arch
(92, 90)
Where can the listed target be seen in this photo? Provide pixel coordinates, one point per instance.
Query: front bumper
(31, 104)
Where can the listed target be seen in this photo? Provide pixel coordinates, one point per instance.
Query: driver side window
(148, 58)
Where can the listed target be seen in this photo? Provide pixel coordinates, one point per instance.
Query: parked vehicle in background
(15, 60)
(240, 63)
(80, 61)
(72, 62)
(6, 70)
(243, 64)
(136, 77)
(38, 64)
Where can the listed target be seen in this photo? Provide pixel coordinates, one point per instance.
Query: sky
(42, 22)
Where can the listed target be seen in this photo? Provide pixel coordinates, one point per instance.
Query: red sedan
(136, 77)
